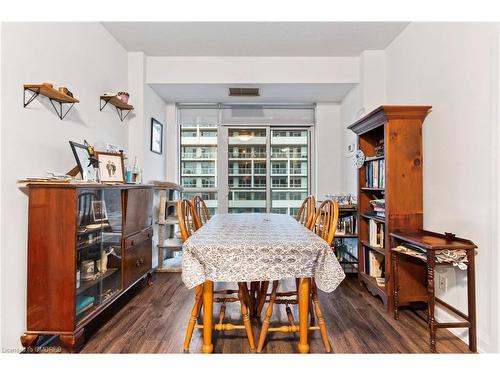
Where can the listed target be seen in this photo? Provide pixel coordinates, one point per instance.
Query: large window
(198, 143)
(246, 156)
(235, 153)
(289, 170)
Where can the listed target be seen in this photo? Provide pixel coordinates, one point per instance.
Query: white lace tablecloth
(258, 247)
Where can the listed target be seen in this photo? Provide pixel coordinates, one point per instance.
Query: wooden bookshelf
(400, 127)
(377, 249)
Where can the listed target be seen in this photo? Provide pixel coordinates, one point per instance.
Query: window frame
(222, 180)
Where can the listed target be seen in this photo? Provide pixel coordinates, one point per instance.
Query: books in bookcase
(376, 233)
(375, 173)
(378, 207)
(375, 264)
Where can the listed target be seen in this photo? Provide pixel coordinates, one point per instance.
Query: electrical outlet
(442, 283)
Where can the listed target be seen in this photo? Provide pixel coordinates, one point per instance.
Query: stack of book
(376, 233)
(375, 173)
(376, 264)
(378, 207)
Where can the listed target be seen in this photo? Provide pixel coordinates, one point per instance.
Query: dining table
(257, 247)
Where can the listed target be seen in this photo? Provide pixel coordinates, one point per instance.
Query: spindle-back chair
(188, 222)
(324, 224)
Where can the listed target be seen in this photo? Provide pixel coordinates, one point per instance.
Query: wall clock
(359, 158)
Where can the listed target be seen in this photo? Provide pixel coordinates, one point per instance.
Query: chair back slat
(325, 220)
(187, 218)
(305, 215)
(202, 214)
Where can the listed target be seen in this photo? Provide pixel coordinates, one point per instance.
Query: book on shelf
(380, 281)
(376, 264)
(376, 214)
(346, 225)
(375, 174)
(376, 233)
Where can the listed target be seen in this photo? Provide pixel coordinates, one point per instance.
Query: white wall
(362, 99)
(327, 150)
(1, 184)
(88, 60)
(454, 67)
(155, 166)
(147, 104)
(351, 109)
(172, 143)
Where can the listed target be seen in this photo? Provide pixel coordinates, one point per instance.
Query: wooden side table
(413, 279)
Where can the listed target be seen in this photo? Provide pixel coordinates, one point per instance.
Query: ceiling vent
(244, 91)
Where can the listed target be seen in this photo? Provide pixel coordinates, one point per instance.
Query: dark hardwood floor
(153, 320)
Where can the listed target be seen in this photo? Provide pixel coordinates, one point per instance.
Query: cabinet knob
(137, 263)
(132, 243)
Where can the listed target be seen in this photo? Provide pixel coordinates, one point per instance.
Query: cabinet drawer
(136, 239)
(137, 260)
(138, 210)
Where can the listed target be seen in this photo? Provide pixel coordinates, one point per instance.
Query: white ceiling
(254, 38)
(270, 93)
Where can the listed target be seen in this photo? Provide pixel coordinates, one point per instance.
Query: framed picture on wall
(156, 136)
(111, 168)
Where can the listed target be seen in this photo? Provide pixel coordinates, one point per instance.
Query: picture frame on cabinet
(83, 160)
(156, 136)
(111, 167)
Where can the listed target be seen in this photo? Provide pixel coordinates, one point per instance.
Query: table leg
(431, 260)
(304, 296)
(471, 300)
(254, 288)
(264, 285)
(208, 295)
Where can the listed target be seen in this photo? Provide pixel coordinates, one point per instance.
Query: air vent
(244, 91)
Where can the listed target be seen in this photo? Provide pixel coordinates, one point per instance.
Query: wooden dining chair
(305, 215)
(202, 212)
(188, 223)
(324, 224)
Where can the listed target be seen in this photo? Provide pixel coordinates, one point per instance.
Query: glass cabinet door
(111, 251)
(88, 252)
(98, 255)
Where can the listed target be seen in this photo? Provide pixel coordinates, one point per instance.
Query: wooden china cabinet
(87, 244)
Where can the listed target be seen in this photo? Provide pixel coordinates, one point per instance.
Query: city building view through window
(264, 168)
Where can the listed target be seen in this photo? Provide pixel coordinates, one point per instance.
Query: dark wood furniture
(399, 129)
(347, 233)
(414, 278)
(87, 244)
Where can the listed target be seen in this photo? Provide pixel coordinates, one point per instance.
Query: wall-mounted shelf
(54, 96)
(118, 104)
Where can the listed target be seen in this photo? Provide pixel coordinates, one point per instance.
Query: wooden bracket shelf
(55, 96)
(118, 104)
